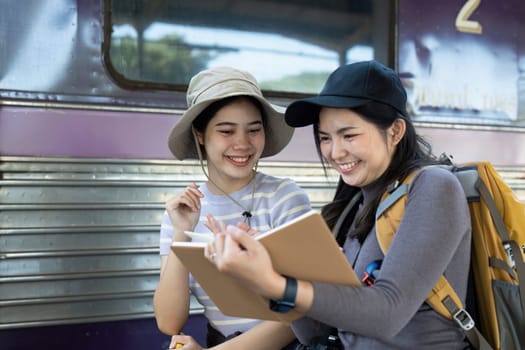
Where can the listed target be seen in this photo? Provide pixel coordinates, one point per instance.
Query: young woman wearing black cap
(362, 129)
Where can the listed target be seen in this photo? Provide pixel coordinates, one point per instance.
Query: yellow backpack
(497, 259)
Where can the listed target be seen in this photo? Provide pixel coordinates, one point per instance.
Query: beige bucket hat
(215, 84)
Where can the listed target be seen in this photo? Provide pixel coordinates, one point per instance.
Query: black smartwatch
(287, 303)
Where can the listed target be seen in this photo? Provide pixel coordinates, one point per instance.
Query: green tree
(167, 60)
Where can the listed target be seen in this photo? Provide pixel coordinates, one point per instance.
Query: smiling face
(234, 140)
(356, 148)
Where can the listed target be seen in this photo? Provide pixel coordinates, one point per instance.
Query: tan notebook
(303, 248)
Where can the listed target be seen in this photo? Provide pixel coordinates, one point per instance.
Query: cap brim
(306, 111)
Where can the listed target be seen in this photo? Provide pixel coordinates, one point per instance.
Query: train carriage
(89, 90)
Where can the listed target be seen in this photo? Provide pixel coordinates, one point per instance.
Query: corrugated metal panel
(79, 237)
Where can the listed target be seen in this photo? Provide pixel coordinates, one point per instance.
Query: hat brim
(306, 111)
(277, 133)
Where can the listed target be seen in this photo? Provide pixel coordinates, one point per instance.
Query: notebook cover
(303, 248)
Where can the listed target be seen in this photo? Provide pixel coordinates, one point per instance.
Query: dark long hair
(411, 152)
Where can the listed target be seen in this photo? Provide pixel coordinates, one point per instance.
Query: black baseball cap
(351, 86)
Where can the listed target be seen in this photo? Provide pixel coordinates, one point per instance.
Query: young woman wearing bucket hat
(228, 126)
(362, 129)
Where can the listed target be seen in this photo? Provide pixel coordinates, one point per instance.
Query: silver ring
(213, 255)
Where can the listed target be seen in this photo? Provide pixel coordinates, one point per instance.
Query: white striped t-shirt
(276, 201)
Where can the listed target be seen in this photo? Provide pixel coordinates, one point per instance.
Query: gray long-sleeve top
(433, 238)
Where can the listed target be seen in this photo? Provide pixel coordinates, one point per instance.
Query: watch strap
(288, 301)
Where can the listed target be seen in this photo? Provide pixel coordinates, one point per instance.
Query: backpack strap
(391, 209)
(442, 298)
(336, 231)
(388, 216)
(465, 321)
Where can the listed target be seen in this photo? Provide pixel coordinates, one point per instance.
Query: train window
(289, 45)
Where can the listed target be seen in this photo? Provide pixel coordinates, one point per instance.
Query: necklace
(247, 212)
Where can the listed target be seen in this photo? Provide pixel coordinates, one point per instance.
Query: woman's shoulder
(438, 178)
(271, 181)
(282, 188)
(436, 170)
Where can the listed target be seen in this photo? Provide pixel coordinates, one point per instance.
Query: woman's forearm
(274, 288)
(172, 298)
